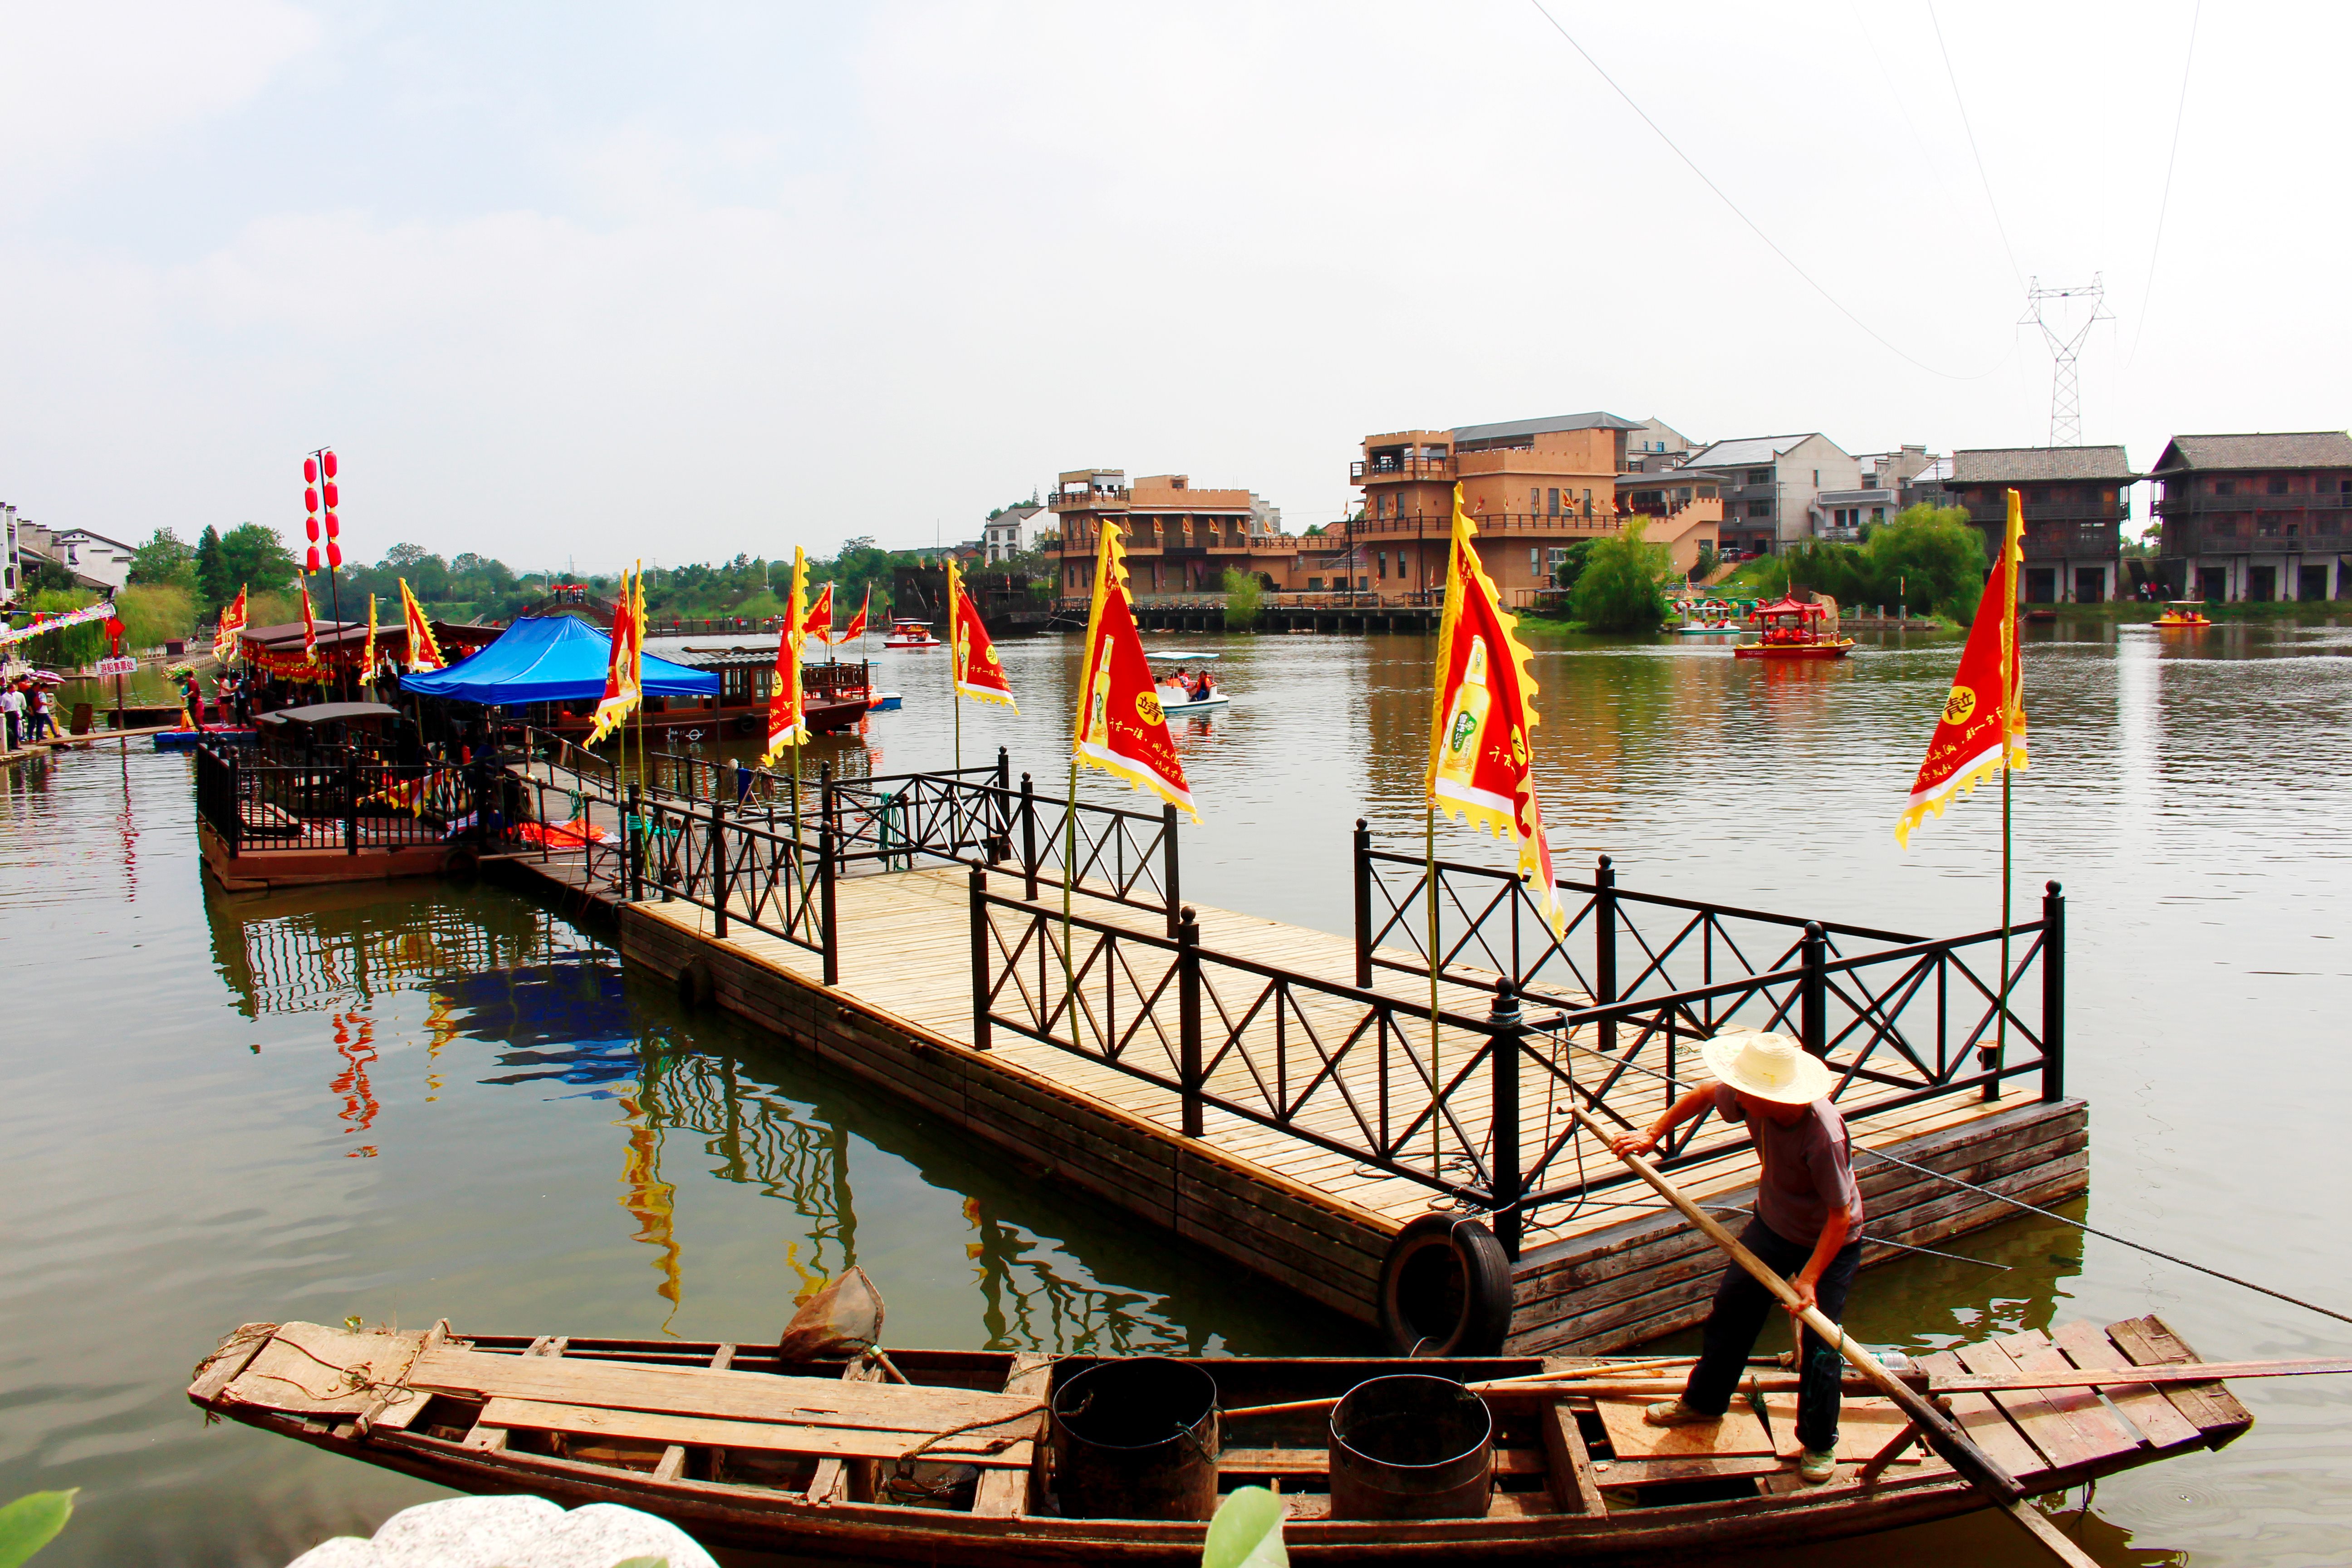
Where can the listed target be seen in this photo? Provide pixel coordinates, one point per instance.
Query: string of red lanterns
(319, 484)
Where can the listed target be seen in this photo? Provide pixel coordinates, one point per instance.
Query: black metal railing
(757, 866)
(343, 801)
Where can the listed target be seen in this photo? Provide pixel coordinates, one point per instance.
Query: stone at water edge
(510, 1533)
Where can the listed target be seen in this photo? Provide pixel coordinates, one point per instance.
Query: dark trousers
(1741, 1308)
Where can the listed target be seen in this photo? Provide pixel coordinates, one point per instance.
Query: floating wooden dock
(1264, 1090)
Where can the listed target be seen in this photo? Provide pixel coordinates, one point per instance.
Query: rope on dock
(2015, 1202)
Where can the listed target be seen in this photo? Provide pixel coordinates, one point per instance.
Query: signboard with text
(118, 666)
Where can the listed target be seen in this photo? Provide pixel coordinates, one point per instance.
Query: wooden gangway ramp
(1301, 1150)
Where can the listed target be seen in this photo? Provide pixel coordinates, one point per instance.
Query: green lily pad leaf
(31, 1523)
(1246, 1532)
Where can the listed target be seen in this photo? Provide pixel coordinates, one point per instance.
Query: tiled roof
(2279, 449)
(1595, 420)
(1748, 450)
(1999, 465)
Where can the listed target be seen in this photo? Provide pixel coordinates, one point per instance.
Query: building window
(1315, 585)
(1878, 515)
(1535, 560)
(1760, 508)
(1551, 504)
(2225, 487)
(1759, 476)
(1381, 557)
(2278, 486)
(1535, 501)
(1588, 503)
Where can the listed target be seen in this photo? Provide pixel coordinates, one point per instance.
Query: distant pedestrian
(12, 709)
(42, 707)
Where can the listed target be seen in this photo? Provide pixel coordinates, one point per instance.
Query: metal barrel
(1412, 1446)
(1135, 1438)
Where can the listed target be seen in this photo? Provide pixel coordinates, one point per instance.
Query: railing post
(1502, 1042)
(1187, 1016)
(632, 838)
(2053, 994)
(1604, 945)
(1028, 838)
(977, 881)
(1167, 864)
(1813, 991)
(352, 804)
(236, 807)
(826, 843)
(827, 822)
(1000, 816)
(718, 867)
(1363, 861)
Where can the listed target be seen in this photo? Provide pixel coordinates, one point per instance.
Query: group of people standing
(31, 712)
(232, 698)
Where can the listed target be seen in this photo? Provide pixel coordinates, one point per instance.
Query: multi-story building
(10, 569)
(90, 560)
(2076, 500)
(1534, 486)
(1179, 540)
(1008, 533)
(2256, 517)
(1656, 444)
(1776, 498)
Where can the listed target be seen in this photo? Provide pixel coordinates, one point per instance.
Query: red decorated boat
(1794, 630)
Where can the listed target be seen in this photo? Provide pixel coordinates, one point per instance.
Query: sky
(575, 285)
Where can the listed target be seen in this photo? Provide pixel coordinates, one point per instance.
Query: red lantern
(334, 553)
(310, 500)
(311, 560)
(330, 466)
(312, 524)
(309, 471)
(334, 494)
(333, 528)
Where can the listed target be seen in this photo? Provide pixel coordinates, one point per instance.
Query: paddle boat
(1792, 630)
(1177, 697)
(912, 634)
(2183, 615)
(1709, 618)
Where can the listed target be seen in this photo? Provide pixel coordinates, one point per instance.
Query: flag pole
(2010, 682)
(1069, 873)
(1429, 896)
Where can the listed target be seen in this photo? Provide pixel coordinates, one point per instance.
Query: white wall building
(1774, 498)
(1010, 532)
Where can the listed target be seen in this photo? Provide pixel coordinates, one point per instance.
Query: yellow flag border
(794, 632)
(2009, 749)
(1464, 531)
(1110, 572)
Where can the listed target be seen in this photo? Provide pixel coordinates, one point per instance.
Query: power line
(1753, 226)
(2155, 246)
(1986, 179)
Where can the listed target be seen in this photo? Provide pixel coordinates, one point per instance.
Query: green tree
(1930, 557)
(254, 556)
(153, 614)
(1622, 587)
(164, 559)
(1244, 593)
(214, 588)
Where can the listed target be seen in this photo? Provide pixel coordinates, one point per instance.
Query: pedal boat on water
(1794, 630)
(2183, 615)
(1176, 699)
(951, 1456)
(912, 634)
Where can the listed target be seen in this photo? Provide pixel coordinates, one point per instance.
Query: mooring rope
(2014, 1203)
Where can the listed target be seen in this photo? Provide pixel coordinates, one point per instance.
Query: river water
(403, 1103)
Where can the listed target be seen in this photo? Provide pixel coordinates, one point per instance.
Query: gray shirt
(1808, 1171)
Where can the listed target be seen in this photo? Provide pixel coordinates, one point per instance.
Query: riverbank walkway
(1270, 1090)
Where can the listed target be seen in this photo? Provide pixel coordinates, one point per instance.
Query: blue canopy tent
(548, 658)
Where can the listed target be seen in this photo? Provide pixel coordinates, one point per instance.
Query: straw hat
(1768, 1067)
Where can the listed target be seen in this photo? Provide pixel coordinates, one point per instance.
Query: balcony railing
(2282, 538)
(2189, 506)
(2049, 511)
(1438, 525)
(1383, 470)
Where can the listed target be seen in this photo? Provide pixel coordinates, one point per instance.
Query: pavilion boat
(912, 634)
(986, 1457)
(2183, 615)
(1794, 630)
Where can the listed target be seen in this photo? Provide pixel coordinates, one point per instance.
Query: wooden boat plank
(2105, 1435)
(1005, 1492)
(237, 1353)
(310, 1369)
(2031, 1411)
(2088, 1348)
(1574, 1488)
(1630, 1438)
(1613, 1473)
(1987, 1426)
(2151, 1341)
(688, 1390)
(983, 1448)
(1865, 1425)
(1511, 1461)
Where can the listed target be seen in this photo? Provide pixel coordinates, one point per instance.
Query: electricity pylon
(2065, 387)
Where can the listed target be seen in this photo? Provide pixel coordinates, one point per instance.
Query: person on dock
(1807, 1228)
(12, 710)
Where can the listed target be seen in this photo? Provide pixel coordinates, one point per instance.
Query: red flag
(787, 722)
(819, 622)
(624, 668)
(1120, 727)
(857, 626)
(232, 623)
(310, 626)
(978, 673)
(1979, 733)
(1480, 766)
(424, 653)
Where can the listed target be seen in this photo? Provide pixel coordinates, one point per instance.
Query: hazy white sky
(675, 281)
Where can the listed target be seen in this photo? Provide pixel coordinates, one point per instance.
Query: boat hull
(1838, 650)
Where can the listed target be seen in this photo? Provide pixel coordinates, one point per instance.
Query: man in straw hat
(1807, 1228)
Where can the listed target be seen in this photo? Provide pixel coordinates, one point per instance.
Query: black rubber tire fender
(1446, 1288)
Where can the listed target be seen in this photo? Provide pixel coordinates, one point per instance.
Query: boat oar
(1494, 1385)
(1936, 1428)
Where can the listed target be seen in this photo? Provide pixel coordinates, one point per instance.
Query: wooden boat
(1794, 630)
(912, 634)
(833, 1459)
(835, 697)
(2183, 615)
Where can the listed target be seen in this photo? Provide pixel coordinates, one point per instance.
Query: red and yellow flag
(857, 626)
(424, 653)
(1982, 728)
(1480, 767)
(787, 720)
(367, 654)
(232, 626)
(819, 623)
(1120, 728)
(624, 667)
(309, 623)
(978, 673)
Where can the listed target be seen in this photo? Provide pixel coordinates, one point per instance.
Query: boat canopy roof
(1178, 654)
(548, 658)
(1785, 605)
(329, 713)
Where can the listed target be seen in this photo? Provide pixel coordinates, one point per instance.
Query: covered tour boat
(988, 1457)
(2183, 615)
(912, 634)
(1178, 696)
(1795, 630)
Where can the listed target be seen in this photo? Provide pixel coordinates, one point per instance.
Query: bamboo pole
(1974, 1465)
